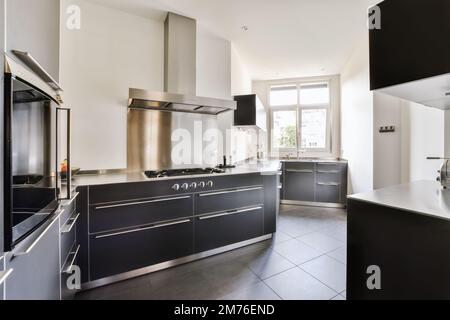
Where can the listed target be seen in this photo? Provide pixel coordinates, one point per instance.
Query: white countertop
(421, 197)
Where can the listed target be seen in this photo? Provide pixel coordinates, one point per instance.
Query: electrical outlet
(387, 129)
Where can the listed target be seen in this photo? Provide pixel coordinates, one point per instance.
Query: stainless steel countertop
(267, 167)
(421, 197)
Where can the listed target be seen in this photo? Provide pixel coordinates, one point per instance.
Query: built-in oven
(31, 183)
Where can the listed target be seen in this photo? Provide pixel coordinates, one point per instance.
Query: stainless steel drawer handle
(332, 184)
(229, 191)
(74, 255)
(140, 202)
(35, 242)
(143, 229)
(300, 171)
(70, 224)
(229, 213)
(4, 275)
(329, 171)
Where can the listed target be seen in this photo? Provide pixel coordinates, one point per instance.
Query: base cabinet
(299, 186)
(152, 223)
(219, 230)
(128, 250)
(315, 182)
(36, 267)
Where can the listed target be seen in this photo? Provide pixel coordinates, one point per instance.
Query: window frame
(298, 108)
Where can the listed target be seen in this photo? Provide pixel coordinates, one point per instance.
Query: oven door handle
(68, 145)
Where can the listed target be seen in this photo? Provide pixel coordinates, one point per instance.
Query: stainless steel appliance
(444, 172)
(31, 139)
(154, 117)
(182, 172)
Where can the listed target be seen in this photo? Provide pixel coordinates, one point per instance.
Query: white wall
(112, 52)
(213, 64)
(241, 81)
(214, 75)
(378, 160)
(387, 155)
(357, 120)
(426, 138)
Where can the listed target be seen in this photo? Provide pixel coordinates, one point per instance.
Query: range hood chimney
(180, 74)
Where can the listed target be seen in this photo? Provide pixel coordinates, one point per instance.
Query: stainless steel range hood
(180, 76)
(173, 102)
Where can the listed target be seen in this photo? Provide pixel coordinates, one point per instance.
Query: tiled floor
(305, 261)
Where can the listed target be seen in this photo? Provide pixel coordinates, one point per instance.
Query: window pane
(283, 96)
(314, 129)
(314, 94)
(284, 133)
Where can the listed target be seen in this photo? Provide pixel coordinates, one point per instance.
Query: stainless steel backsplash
(150, 143)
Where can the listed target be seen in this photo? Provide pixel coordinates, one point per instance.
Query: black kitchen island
(398, 243)
(132, 225)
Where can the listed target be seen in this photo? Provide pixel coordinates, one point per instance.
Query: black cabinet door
(116, 253)
(218, 230)
(271, 203)
(328, 192)
(228, 199)
(105, 217)
(299, 185)
(409, 46)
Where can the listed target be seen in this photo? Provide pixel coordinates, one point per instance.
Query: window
(301, 117)
(284, 96)
(284, 130)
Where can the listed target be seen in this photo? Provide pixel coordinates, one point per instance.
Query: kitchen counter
(404, 231)
(266, 167)
(314, 160)
(422, 197)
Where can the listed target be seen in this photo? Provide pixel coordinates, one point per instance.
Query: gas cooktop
(182, 172)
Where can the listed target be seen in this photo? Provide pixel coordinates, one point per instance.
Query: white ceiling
(286, 38)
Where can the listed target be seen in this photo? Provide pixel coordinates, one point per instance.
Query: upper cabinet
(250, 112)
(34, 27)
(409, 55)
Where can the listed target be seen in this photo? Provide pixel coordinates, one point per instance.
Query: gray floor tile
(258, 291)
(338, 298)
(327, 270)
(237, 274)
(295, 284)
(269, 263)
(339, 254)
(280, 236)
(297, 252)
(230, 277)
(337, 232)
(321, 242)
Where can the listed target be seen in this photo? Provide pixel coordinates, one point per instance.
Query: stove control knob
(202, 185)
(194, 185)
(176, 187)
(210, 184)
(185, 186)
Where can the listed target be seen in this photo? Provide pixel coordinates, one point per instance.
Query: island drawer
(333, 167)
(68, 235)
(300, 167)
(222, 229)
(112, 216)
(116, 253)
(223, 200)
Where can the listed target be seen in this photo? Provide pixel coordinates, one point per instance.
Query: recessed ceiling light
(244, 28)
